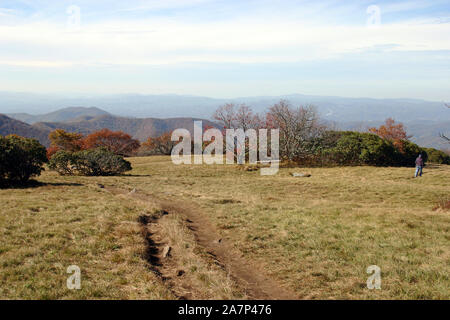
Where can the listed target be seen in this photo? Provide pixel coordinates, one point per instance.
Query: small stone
(166, 251)
(101, 186)
(299, 174)
(133, 191)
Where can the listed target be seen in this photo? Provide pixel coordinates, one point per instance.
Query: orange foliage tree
(160, 145)
(391, 131)
(63, 140)
(117, 142)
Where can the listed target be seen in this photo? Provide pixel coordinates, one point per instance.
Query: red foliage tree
(160, 145)
(117, 142)
(391, 131)
(51, 151)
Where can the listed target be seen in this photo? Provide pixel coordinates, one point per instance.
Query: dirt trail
(248, 275)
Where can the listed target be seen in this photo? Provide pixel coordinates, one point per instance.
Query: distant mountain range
(84, 122)
(147, 115)
(168, 106)
(13, 126)
(61, 115)
(140, 129)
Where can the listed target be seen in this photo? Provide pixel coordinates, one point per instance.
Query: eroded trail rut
(248, 275)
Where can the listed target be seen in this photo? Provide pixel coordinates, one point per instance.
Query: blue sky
(380, 49)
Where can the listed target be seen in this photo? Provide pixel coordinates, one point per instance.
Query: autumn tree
(162, 145)
(118, 142)
(67, 141)
(392, 131)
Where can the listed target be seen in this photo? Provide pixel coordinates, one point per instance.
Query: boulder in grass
(166, 251)
(300, 174)
(250, 168)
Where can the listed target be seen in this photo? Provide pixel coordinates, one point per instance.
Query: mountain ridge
(139, 128)
(60, 115)
(332, 108)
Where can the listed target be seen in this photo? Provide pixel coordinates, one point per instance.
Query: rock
(133, 191)
(299, 174)
(251, 168)
(101, 186)
(166, 251)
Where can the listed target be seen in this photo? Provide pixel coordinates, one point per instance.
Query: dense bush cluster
(20, 159)
(437, 156)
(306, 140)
(356, 148)
(359, 148)
(93, 162)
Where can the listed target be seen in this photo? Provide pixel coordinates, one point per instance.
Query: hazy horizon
(69, 95)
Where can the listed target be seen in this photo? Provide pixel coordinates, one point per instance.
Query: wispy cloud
(4, 12)
(252, 41)
(37, 34)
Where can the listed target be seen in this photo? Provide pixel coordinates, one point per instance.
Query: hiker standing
(419, 166)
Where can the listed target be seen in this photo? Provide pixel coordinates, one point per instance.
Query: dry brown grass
(44, 230)
(71, 221)
(318, 235)
(443, 205)
(315, 235)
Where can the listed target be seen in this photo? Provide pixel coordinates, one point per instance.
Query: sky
(227, 48)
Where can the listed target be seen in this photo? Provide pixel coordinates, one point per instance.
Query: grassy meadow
(316, 236)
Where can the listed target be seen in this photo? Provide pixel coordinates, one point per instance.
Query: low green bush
(361, 148)
(93, 162)
(20, 159)
(437, 156)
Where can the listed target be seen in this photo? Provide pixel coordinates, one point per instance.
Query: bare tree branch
(444, 137)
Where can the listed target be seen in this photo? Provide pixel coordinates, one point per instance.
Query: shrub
(63, 162)
(100, 162)
(356, 148)
(437, 156)
(408, 155)
(94, 162)
(20, 159)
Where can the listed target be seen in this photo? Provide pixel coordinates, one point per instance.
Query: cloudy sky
(227, 48)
